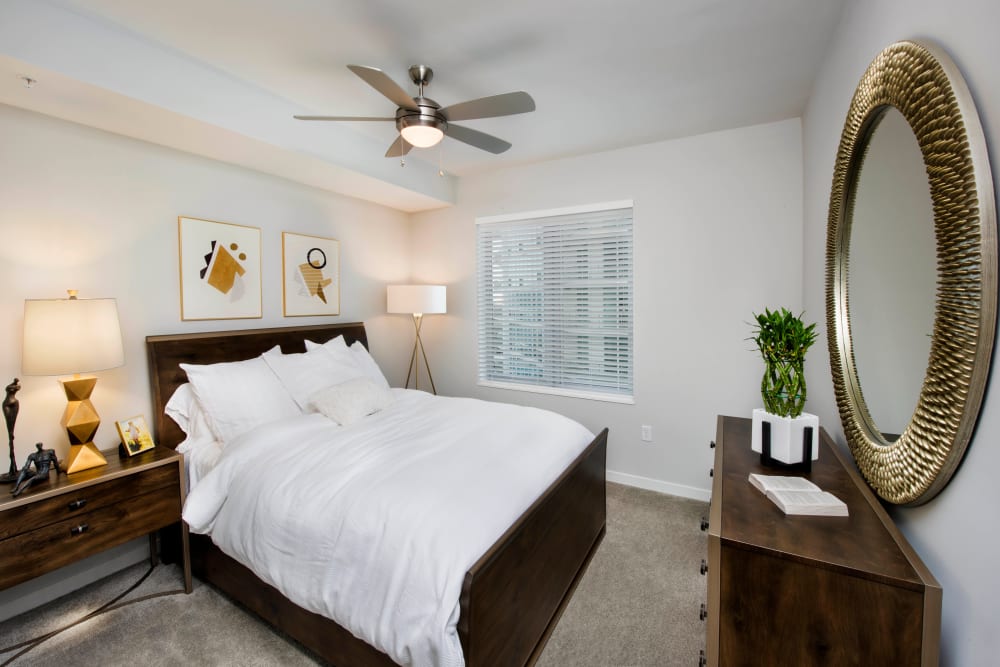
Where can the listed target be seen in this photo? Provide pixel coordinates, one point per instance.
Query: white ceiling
(603, 74)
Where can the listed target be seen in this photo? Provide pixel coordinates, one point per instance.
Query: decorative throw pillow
(306, 373)
(239, 395)
(349, 401)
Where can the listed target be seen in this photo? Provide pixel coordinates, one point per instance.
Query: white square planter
(786, 435)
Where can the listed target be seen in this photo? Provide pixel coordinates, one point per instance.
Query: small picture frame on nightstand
(134, 435)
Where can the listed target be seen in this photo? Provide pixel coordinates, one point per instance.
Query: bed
(511, 598)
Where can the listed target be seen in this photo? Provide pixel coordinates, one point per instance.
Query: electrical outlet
(647, 433)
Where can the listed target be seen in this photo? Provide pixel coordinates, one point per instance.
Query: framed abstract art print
(220, 270)
(310, 275)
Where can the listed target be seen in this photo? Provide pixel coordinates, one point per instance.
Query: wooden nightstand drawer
(92, 530)
(77, 502)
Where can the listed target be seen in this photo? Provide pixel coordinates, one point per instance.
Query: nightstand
(74, 516)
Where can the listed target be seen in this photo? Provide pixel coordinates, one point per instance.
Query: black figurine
(10, 408)
(43, 459)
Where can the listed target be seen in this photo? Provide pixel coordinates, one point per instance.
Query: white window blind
(555, 301)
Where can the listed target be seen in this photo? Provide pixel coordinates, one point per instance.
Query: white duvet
(375, 524)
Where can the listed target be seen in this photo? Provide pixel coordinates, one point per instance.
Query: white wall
(84, 209)
(717, 223)
(954, 533)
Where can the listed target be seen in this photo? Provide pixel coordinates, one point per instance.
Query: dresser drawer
(89, 531)
(76, 502)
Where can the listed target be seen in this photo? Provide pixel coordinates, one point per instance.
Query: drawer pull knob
(79, 530)
(703, 612)
(704, 566)
(704, 523)
(78, 504)
(711, 445)
(711, 472)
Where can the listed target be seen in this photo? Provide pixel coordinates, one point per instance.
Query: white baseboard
(660, 486)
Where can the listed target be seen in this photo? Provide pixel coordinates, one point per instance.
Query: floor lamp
(63, 336)
(416, 300)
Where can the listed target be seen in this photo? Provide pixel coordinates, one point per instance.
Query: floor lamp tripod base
(414, 368)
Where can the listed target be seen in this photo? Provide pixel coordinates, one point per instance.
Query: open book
(797, 495)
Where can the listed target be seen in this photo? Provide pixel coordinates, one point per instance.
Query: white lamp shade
(414, 299)
(64, 336)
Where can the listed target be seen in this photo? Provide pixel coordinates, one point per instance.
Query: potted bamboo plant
(783, 340)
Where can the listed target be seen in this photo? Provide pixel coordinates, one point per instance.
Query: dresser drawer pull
(79, 530)
(711, 444)
(703, 612)
(704, 523)
(78, 504)
(704, 566)
(711, 472)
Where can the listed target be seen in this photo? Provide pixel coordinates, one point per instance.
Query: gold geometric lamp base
(81, 421)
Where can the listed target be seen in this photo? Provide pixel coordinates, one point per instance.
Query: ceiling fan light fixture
(422, 136)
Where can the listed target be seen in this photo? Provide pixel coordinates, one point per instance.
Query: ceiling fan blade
(355, 118)
(399, 147)
(487, 142)
(507, 104)
(381, 82)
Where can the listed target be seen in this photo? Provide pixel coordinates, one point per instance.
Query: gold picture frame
(310, 275)
(135, 435)
(220, 270)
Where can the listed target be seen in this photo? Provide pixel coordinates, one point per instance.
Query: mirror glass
(892, 274)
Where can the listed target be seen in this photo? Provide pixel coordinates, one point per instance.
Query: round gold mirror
(912, 462)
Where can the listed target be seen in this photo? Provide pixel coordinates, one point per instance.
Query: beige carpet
(637, 606)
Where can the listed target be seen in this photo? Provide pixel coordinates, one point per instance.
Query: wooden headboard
(166, 353)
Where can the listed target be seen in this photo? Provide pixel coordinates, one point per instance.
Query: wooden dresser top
(865, 544)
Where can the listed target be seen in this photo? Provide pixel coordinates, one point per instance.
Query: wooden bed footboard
(511, 598)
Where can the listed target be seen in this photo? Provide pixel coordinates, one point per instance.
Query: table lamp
(63, 336)
(416, 300)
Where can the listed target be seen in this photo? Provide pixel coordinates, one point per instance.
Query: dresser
(70, 517)
(804, 590)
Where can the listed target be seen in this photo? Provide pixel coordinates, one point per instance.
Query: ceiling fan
(422, 122)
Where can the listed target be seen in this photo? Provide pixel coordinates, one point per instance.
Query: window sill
(569, 393)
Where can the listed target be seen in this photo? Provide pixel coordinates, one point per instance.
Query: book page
(767, 483)
(819, 503)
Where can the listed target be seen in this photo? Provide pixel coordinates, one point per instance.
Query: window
(555, 301)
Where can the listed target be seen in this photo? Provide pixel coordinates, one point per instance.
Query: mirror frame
(924, 84)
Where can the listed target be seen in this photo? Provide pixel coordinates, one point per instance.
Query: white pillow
(306, 373)
(369, 365)
(181, 406)
(337, 343)
(361, 355)
(349, 401)
(184, 408)
(237, 396)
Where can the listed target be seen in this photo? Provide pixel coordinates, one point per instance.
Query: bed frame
(512, 597)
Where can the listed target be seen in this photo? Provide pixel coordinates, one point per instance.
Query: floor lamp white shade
(417, 300)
